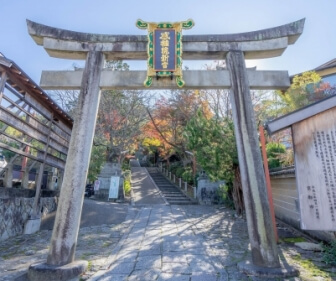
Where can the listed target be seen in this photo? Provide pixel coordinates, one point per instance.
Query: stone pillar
(8, 181)
(65, 231)
(60, 263)
(259, 222)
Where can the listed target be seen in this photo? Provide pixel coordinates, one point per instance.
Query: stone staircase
(171, 193)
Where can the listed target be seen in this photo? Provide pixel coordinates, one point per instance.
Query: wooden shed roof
(21, 82)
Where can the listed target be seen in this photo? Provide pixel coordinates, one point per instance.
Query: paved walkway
(94, 214)
(162, 242)
(172, 243)
(193, 243)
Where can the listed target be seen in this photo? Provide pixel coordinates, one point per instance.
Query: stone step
(171, 192)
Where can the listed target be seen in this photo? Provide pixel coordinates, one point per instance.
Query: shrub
(127, 182)
(127, 187)
(329, 253)
(179, 172)
(274, 151)
(224, 193)
(188, 175)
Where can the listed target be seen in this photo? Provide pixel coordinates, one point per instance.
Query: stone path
(188, 243)
(161, 242)
(95, 244)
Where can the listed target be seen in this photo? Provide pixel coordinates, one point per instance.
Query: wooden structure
(235, 48)
(314, 139)
(32, 125)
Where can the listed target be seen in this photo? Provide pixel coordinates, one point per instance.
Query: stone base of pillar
(285, 271)
(32, 226)
(68, 272)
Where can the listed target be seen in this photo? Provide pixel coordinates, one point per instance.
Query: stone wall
(207, 191)
(15, 211)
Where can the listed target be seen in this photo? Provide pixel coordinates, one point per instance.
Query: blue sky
(316, 46)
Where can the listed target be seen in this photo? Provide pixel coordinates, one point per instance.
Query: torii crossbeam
(234, 48)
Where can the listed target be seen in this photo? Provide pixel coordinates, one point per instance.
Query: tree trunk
(237, 192)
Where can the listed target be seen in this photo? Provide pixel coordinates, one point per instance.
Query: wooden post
(2, 84)
(25, 178)
(65, 231)
(260, 228)
(36, 210)
(268, 180)
(8, 181)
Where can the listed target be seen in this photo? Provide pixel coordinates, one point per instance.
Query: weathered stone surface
(195, 79)
(260, 228)
(15, 211)
(64, 238)
(309, 246)
(43, 272)
(285, 271)
(257, 44)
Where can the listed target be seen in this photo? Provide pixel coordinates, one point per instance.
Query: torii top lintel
(68, 44)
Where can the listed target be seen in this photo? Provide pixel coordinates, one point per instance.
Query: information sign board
(114, 187)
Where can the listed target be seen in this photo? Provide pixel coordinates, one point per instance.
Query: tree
(120, 119)
(304, 90)
(169, 116)
(213, 143)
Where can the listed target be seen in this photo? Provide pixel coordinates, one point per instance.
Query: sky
(316, 45)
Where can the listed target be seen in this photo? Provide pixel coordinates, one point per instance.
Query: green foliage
(214, 146)
(310, 267)
(306, 78)
(174, 167)
(329, 253)
(127, 182)
(304, 90)
(125, 165)
(8, 154)
(127, 187)
(224, 195)
(293, 239)
(179, 172)
(96, 162)
(187, 175)
(274, 151)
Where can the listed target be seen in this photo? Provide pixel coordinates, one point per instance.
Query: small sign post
(96, 185)
(114, 188)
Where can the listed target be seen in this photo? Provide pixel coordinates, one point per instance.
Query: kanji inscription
(315, 156)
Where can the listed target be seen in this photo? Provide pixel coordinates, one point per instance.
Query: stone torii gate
(95, 49)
